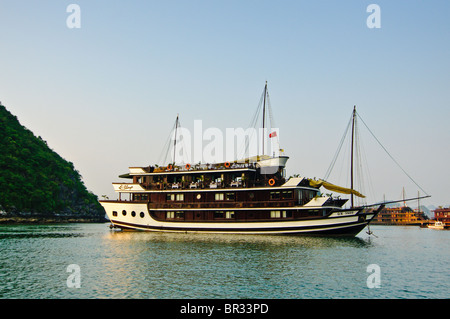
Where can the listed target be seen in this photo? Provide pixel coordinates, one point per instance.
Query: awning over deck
(334, 188)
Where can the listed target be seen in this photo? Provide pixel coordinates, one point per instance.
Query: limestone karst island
(37, 184)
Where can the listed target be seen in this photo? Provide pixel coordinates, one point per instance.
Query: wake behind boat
(249, 196)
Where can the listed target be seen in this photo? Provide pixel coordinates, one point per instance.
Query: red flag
(273, 134)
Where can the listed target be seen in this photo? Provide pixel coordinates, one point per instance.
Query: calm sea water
(35, 259)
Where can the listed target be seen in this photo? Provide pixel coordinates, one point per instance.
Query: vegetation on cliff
(35, 180)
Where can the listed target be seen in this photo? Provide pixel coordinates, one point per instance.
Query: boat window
(175, 215)
(229, 214)
(287, 214)
(274, 195)
(315, 212)
(219, 214)
(222, 214)
(170, 215)
(175, 197)
(305, 196)
(275, 214)
(300, 197)
(133, 213)
(138, 197)
(230, 196)
(124, 212)
(142, 214)
(286, 194)
(114, 213)
(179, 215)
(218, 196)
(280, 214)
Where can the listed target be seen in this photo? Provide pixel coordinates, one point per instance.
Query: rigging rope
(333, 162)
(272, 122)
(360, 156)
(166, 147)
(253, 124)
(391, 156)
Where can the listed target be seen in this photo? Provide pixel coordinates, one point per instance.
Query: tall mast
(418, 202)
(403, 195)
(351, 160)
(175, 140)
(264, 118)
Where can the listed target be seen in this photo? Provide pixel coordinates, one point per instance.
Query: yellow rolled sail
(334, 188)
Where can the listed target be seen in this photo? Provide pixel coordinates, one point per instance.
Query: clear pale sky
(105, 95)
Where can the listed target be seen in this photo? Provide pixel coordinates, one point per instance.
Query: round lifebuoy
(187, 166)
(169, 167)
(271, 182)
(227, 164)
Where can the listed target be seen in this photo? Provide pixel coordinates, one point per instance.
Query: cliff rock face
(36, 181)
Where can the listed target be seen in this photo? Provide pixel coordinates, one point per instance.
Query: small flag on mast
(273, 134)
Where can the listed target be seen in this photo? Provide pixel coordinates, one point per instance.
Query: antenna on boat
(403, 196)
(418, 202)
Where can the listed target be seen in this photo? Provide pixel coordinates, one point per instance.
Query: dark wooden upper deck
(204, 176)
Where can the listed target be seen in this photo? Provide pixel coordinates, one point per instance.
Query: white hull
(347, 222)
(437, 225)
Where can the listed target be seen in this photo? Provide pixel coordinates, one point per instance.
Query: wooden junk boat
(250, 196)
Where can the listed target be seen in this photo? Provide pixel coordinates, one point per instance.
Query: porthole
(124, 213)
(133, 213)
(142, 214)
(114, 213)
